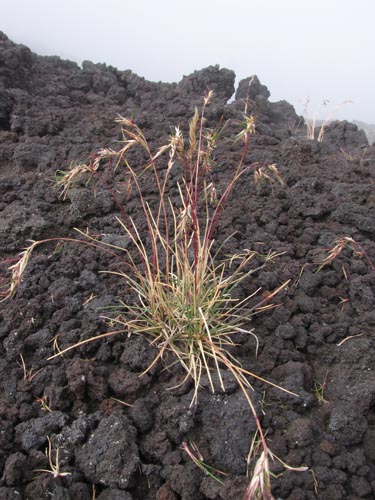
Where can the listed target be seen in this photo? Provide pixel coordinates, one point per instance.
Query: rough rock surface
(318, 343)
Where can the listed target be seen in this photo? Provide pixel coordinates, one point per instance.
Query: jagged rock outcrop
(54, 111)
(251, 88)
(344, 134)
(221, 81)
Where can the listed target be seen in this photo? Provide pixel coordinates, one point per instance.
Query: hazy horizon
(320, 52)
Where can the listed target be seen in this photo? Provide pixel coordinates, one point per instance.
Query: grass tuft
(184, 292)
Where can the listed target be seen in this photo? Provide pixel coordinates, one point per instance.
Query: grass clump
(184, 293)
(185, 303)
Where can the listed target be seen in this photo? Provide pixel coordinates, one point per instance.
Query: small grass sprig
(28, 373)
(54, 462)
(43, 401)
(319, 389)
(195, 455)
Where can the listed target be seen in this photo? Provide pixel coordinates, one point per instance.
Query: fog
(320, 50)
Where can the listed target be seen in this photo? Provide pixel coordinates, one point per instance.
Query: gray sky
(322, 49)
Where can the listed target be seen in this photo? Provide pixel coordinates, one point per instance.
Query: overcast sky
(322, 49)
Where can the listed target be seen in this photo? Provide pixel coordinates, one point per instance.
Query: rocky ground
(317, 343)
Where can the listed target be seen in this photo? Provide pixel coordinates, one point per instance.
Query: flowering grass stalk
(259, 487)
(267, 174)
(338, 247)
